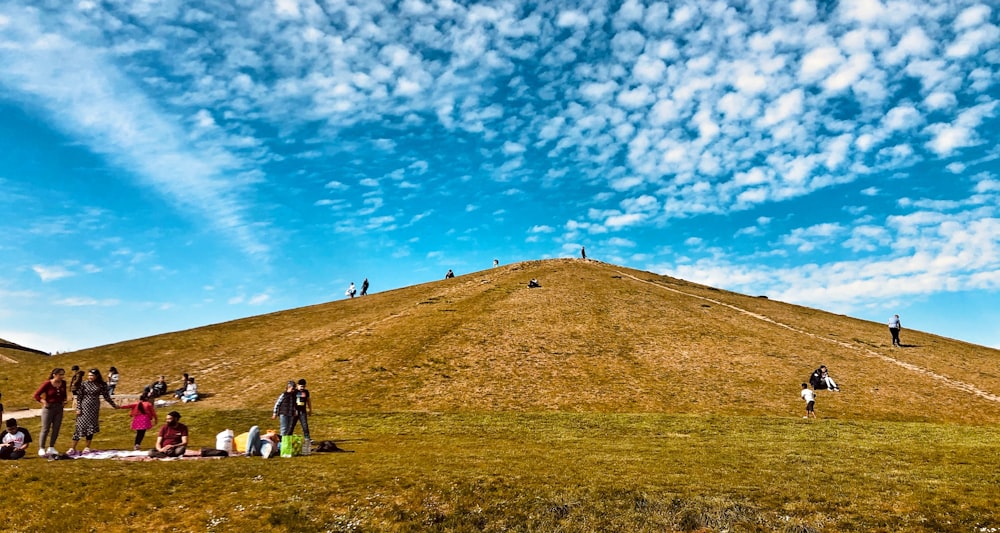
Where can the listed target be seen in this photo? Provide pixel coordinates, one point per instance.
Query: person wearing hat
(172, 439)
(284, 409)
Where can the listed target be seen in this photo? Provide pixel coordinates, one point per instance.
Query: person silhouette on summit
(449, 275)
(583, 252)
(364, 287)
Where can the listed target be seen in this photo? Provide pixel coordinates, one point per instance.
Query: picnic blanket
(135, 455)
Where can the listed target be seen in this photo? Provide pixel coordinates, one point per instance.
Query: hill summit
(594, 337)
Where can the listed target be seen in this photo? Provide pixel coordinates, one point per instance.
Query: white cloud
(52, 273)
(83, 301)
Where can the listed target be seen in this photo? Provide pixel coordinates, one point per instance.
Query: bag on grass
(291, 445)
(212, 452)
(224, 441)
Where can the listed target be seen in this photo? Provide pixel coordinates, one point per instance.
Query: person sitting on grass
(15, 441)
(172, 439)
(158, 388)
(190, 392)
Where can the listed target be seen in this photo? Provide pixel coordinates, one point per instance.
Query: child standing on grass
(810, 398)
(303, 408)
(143, 415)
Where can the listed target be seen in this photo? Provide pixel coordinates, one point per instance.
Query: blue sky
(166, 165)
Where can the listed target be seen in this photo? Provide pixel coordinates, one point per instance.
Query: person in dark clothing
(894, 327)
(284, 410)
(364, 287)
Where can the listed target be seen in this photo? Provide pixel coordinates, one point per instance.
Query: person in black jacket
(284, 409)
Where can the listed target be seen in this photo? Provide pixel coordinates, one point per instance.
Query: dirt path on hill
(953, 383)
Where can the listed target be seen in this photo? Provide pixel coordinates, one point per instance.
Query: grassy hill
(609, 399)
(594, 338)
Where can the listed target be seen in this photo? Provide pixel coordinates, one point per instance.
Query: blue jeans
(287, 424)
(253, 441)
(303, 417)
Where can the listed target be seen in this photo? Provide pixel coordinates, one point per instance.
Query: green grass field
(534, 472)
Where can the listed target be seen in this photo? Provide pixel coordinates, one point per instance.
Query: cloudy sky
(168, 164)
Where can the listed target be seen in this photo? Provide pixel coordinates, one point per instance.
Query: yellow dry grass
(594, 338)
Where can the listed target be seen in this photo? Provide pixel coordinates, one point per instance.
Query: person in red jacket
(52, 395)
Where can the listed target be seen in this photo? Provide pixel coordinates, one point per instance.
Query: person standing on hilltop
(894, 327)
(583, 253)
(52, 395)
(351, 291)
(364, 287)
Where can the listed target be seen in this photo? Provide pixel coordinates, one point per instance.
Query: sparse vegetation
(605, 401)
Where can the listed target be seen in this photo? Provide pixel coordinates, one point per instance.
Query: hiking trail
(953, 383)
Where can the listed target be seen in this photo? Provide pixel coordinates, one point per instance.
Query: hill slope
(594, 337)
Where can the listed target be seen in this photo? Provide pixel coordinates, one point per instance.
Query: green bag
(291, 445)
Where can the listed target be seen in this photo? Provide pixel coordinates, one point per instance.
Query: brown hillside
(594, 337)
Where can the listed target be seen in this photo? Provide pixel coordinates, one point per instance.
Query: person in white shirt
(810, 398)
(15, 441)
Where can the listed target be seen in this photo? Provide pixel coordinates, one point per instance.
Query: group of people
(819, 380)
(352, 291)
(86, 390)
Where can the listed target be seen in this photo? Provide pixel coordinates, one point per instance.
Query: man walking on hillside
(894, 327)
(364, 287)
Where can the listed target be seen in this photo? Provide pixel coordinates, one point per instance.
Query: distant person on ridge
(583, 252)
(894, 327)
(449, 275)
(496, 263)
(364, 287)
(810, 398)
(351, 291)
